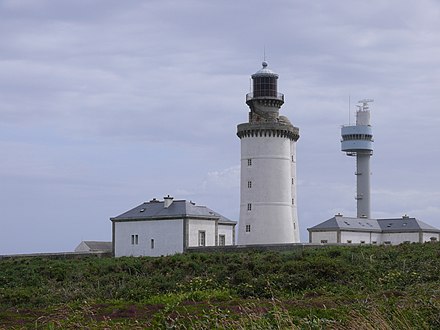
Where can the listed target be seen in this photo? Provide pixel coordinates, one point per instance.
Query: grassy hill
(363, 287)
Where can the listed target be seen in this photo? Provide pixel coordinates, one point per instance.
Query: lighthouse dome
(264, 72)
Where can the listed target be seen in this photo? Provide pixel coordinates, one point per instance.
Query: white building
(268, 212)
(157, 228)
(340, 229)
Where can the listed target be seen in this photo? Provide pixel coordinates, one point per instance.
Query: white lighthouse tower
(357, 140)
(268, 212)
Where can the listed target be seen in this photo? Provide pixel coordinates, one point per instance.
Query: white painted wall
(376, 237)
(369, 238)
(329, 236)
(398, 238)
(167, 235)
(272, 215)
(194, 226)
(293, 192)
(427, 236)
(355, 237)
(228, 231)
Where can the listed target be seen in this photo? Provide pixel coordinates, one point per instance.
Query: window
(221, 240)
(202, 238)
(264, 86)
(292, 159)
(134, 239)
(293, 201)
(249, 184)
(324, 241)
(249, 162)
(373, 242)
(292, 181)
(349, 241)
(152, 243)
(248, 228)
(249, 207)
(362, 242)
(387, 242)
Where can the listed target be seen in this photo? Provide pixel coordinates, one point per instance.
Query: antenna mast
(349, 107)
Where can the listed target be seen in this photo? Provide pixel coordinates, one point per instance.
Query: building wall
(372, 238)
(228, 231)
(318, 236)
(399, 238)
(356, 237)
(376, 238)
(293, 192)
(167, 236)
(208, 226)
(270, 195)
(427, 237)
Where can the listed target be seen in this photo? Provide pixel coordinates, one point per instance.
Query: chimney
(167, 201)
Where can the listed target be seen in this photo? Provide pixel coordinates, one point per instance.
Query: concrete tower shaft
(363, 176)
(268, 213)
(357, 140)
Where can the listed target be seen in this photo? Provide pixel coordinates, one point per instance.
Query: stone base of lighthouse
(268, 212)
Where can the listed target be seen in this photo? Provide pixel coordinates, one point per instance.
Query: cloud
(228, 178)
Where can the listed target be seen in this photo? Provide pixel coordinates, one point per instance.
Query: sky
(106, 104)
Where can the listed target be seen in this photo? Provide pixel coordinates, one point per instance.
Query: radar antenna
(364, 106)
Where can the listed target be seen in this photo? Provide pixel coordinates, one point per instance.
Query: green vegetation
(363, 287)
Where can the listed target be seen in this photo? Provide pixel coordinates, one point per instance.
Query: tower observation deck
(357, 140)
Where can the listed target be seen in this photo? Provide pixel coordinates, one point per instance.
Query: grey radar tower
(357, 140)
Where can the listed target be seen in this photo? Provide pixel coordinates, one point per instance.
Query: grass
(362, 287)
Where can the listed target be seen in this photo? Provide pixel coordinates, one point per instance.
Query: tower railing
(250, 96)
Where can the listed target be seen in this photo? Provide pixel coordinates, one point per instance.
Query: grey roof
(347, 223)
(403, 224)
(98, 246)
(178, 209)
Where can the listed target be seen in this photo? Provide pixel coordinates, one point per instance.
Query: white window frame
(221, 240)
(202, 238)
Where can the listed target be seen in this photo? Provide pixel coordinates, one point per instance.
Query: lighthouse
(268, 205)
(357, 141)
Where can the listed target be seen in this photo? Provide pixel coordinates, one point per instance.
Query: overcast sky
(106, 104)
